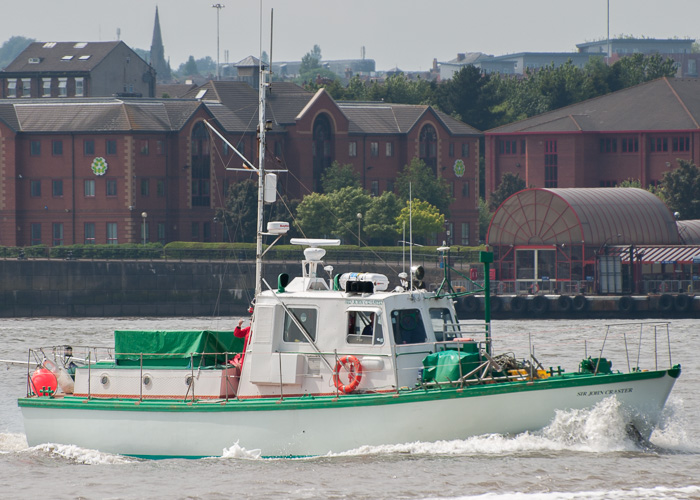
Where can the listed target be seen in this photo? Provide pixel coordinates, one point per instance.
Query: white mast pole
(261, 167)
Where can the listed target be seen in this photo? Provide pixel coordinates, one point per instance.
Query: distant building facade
(636, 133)
(678, 49)
(77, 69)
(121, 170)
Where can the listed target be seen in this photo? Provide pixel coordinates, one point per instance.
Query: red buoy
(43, 382)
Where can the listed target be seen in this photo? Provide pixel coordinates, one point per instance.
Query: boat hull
(319, 425)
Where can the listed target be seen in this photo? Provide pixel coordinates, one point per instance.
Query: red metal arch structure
(550, 239)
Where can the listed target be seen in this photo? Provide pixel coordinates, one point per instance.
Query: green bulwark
(176, 349)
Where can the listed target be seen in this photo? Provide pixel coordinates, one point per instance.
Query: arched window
(201, 166)
(322, 148)
(428, 147)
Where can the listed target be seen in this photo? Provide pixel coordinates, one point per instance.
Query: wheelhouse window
(364, 327)
(306, 317)
(407, 326)
(444, 325)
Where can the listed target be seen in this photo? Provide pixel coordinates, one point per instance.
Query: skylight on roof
(85, 58)
(80, 45)
(49, 45)
(66, 58)
(201, 93)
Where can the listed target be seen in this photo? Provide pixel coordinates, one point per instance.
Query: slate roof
(96, 115)
(663, 104)
(385, 118)
(51, 57)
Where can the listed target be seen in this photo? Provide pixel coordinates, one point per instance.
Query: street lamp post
(143, 227)
(359, 226)
(218, 8)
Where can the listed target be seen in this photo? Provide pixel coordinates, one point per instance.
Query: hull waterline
(317, 426)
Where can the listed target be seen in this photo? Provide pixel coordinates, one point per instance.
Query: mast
(261, 169)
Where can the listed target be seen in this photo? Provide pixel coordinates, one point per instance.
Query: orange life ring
(352, 364)
(534, 288)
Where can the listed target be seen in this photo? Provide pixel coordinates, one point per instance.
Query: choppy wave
(80, 455)
(601, 429)
(12, 442)
(657, 493)
(236, 451)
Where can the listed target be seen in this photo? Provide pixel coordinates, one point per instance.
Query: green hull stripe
(319, 402)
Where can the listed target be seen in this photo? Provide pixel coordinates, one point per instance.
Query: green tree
(11, 48)
(510, 184)
(380, 220)
(424, 185)
(485, 216)
(338, 176)
(314, 217)
(241, 211)
(347, 203)
(630, 183)
(425, 219)
(680, 190)
(469, 96)
(189, 68)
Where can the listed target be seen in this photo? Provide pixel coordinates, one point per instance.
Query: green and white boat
(333, 363)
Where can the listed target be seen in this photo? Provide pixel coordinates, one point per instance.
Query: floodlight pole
(218, 8)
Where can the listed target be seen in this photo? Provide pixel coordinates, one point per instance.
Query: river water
(581, 455)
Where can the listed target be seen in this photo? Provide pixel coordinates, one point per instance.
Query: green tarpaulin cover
(444, 366)
(174, 348)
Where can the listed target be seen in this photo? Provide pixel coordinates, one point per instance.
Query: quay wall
(111, 288)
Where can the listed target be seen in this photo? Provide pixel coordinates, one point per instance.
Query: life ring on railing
(352, 364)
(534, 288)
(664, 287)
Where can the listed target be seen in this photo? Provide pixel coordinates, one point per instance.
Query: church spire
(158, 53)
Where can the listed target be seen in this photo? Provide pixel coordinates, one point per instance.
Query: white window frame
(79, 87)
(46, 87)
(12, 88)
(63, 87)
(26, 87)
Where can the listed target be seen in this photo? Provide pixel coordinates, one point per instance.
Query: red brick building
(132, 170)
(636, 133)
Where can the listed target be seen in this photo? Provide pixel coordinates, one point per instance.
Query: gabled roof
(96, 115)
(61, 56)
(387, 118)
(663, 104)
(286, 101)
